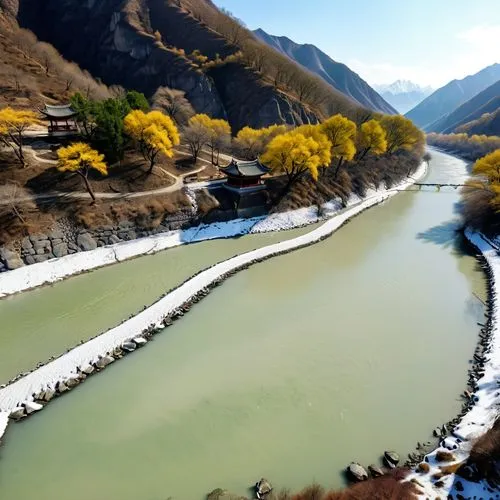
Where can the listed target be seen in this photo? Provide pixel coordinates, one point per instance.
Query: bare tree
(173, 103)
(195, 136)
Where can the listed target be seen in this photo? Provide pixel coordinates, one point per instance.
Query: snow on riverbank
(482, 415)
(43, 273)
(69, 367)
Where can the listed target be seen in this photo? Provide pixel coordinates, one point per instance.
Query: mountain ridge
(336, 74)
(452, 95)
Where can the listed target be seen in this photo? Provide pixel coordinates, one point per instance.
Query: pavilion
(61, 118)
(245, 176)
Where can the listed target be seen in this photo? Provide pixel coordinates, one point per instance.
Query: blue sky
(427, 41)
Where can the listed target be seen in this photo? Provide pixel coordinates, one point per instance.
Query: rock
(49, 395)
(29, 259)
(41, 258)
(72, 382)
(220, 494)
(56, 234)
(17, 413)
(437, 432)
(375, 470)
(88, 369)
(72, 246)
(41, 245)
(32, 407)
(263, 488)
(459, 486)
(60, 250)
(26, 244)
(62, 387)
(128, 346)
(10, 259)
(391, 458)
(37, 237)
(104, 361)
(114, 239)
(140, 341)
(357, 472)
(86, 242)
(125, 224)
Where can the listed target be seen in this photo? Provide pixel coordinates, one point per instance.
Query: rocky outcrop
(115, 40)
(357, 472)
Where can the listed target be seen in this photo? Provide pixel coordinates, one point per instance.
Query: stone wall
(67, 239)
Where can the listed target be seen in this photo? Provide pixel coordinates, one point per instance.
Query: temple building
(61, 118)
(245, 176)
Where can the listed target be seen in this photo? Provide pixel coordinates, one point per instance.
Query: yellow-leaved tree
(80, 158)
(252, 142)
(217, 132)
(341, 133)
(401, 134)
(13, 123)
(153, 132)
(295, 153)
(371, 139)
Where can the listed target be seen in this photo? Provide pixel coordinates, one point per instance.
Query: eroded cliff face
(114, 40)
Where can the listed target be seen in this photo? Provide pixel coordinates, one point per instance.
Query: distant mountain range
(403, 95)
(487, 101)
(430, 113)
(338, 75)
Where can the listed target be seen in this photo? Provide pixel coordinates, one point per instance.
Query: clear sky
(427, 41)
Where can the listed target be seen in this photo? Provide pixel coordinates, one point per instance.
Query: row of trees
(472, 147)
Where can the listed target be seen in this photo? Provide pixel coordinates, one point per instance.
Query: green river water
(290, 370)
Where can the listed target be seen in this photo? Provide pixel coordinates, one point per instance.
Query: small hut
(245, 176)
(61, 118)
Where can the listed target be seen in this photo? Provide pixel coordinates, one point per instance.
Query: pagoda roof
(63, 111)
(239, 168)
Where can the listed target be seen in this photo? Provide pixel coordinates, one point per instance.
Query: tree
(218, 131)
(13, 123)
(85, 114)
(154, 133)
(195, 135)
(109, 135)
(173, 103)
(136, 100)
(80, 158)
(295, 154)
(341, 133)
(371, 138)
(401, 134)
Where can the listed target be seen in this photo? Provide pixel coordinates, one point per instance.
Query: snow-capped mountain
(403, 94)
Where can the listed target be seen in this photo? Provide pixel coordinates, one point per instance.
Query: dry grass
(388, 487)
(444, 456)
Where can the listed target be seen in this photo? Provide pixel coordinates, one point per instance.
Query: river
(290, 370)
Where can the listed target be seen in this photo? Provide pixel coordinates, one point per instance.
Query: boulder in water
(128, 346)
(263, 488)
(357, 471)
(375, 470)
(391, 459)
(32, 407)
(17, 413)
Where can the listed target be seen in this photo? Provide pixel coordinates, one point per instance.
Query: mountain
(487, 101)
(403, 94)
(336, 74)
(487, 124)
(446, 99)
(147, 44)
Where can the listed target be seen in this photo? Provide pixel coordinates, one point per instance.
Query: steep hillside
(451, 96)
(34, 73)
(487, 124)
(486, 101)
(336, 74)
(146, 44)
(403, 95)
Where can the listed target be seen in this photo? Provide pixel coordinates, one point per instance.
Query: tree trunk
(339, 164)
(87, 185)
(364, 153)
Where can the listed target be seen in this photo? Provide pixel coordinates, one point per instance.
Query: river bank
(438, 478)
(70, 369)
